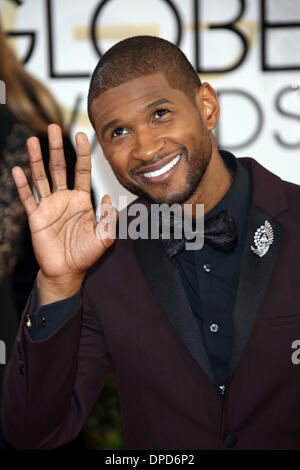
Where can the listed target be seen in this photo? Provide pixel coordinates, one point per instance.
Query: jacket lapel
(163, 279)
(254, 281)
(268, 200)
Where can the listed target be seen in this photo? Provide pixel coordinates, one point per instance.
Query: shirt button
(28, 322)
(230, 440)
(214, 327)
(207, 268)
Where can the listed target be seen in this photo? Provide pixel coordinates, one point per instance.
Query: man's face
(153, 137)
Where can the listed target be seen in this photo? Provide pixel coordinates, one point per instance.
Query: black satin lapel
(254, 280)
(164, 281)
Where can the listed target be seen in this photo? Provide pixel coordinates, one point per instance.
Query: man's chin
(176, 198)
(168, 195)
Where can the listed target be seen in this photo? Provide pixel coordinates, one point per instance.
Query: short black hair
(139, 56)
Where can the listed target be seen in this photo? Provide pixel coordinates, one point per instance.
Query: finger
(38, 173)
(106, 199)
(57, 163)
(83, 163)
(105, 203)
(106, 227)
(24, 191)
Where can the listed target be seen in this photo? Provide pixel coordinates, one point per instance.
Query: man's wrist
(53, 289)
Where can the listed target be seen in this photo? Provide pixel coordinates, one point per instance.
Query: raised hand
(65, 235)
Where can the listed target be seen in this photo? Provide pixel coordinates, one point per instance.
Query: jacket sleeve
(50, 385)
(43, 321)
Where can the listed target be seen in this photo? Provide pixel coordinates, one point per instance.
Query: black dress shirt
(210, 279)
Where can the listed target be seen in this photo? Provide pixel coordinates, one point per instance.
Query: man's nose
(147, 145)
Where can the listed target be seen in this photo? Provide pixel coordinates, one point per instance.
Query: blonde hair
(26, 97)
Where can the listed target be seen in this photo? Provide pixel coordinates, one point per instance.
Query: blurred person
(28, 111)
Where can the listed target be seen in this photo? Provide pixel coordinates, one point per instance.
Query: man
(200, 341)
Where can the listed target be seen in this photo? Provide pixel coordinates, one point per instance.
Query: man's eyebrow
(110, 124)
(156, 103)
(115, 122)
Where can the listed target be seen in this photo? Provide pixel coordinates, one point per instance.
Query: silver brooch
(263, 238)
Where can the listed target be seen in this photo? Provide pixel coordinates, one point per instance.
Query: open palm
(65, 235)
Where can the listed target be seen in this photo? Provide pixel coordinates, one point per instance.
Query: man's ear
(207, 104)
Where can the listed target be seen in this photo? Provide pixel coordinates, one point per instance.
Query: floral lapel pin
(263, 238)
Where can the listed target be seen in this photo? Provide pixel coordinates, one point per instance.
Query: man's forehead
(134, 93)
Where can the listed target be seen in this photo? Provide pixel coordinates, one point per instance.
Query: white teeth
(164, 169)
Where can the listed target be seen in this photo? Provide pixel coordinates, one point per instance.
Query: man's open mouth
(163, 172)
(164, 169)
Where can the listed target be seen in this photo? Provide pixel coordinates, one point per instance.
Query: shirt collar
(237, 198)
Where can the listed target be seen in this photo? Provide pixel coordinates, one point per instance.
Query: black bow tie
(220, 232)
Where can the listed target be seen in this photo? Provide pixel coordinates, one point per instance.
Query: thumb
(107, 225)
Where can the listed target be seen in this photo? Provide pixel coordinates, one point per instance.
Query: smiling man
(153, 119)
(200, 340)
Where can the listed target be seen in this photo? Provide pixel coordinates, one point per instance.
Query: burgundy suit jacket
(135, 319)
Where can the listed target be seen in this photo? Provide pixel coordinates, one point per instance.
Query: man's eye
(119, 131)
(160, 112)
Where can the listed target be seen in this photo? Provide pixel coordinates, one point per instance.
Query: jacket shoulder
(292, 192)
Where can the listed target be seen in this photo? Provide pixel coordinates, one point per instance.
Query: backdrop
(247, 49)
